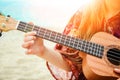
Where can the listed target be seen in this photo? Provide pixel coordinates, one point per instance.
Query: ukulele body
(100, 68)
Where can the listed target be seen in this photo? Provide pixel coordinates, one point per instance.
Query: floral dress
(71, 55)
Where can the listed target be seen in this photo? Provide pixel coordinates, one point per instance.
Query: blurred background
(51, 14)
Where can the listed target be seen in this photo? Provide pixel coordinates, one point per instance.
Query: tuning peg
(7, 18)
(0, 33)
(8, 15)
(3, 25)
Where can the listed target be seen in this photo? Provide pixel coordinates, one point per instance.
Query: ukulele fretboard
(76, 43)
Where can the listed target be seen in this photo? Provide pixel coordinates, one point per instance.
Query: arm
(36, 46)
(56, 59)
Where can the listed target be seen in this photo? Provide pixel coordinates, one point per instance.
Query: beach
(15, 64)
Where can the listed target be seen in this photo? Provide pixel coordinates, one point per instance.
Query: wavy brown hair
(92, 19)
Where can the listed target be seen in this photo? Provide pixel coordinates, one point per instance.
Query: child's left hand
(117, 71)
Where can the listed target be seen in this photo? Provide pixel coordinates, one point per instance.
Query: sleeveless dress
(71, 55)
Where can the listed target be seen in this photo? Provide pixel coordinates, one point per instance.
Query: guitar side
(100, 69)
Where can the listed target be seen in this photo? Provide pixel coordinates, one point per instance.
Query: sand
(15, 64)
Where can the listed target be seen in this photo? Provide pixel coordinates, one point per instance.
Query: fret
(81, 45)
(47, 34)
(38, 32)
(25, 28)
(93, 49)
(21, 26)
(58, 37)
(84, 45)
(29, 28)
(42, 32)
(90, 47)
(68, 40)
(97, 50)
(35, 28)
(53, 36)
(32, 29)
(50, 35)
(76, 43)
(63, 39)
(100, 49)
(72, 42)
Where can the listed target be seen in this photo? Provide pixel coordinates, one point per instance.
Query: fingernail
(116, 69)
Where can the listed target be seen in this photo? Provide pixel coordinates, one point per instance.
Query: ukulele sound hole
(113, 56)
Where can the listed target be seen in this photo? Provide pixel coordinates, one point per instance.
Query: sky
(44, 12)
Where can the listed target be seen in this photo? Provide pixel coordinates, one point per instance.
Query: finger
(29, 51)
(117, 70)
(27, 44)
(29, 38)
(33, 33)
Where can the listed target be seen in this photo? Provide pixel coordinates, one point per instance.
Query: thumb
(117, 70)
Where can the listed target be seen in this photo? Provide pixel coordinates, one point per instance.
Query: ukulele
(101, 53)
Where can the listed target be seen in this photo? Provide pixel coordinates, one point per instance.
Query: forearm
(55, 58)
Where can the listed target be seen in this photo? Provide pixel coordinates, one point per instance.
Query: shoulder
(114, 24)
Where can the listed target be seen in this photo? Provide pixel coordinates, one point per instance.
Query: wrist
(42, 52)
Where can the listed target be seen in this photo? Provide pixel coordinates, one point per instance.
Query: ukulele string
(110, 58)
(115, 55)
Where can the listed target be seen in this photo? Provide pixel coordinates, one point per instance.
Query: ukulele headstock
(7, 23)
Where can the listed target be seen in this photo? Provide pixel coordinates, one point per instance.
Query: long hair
(92, 19)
